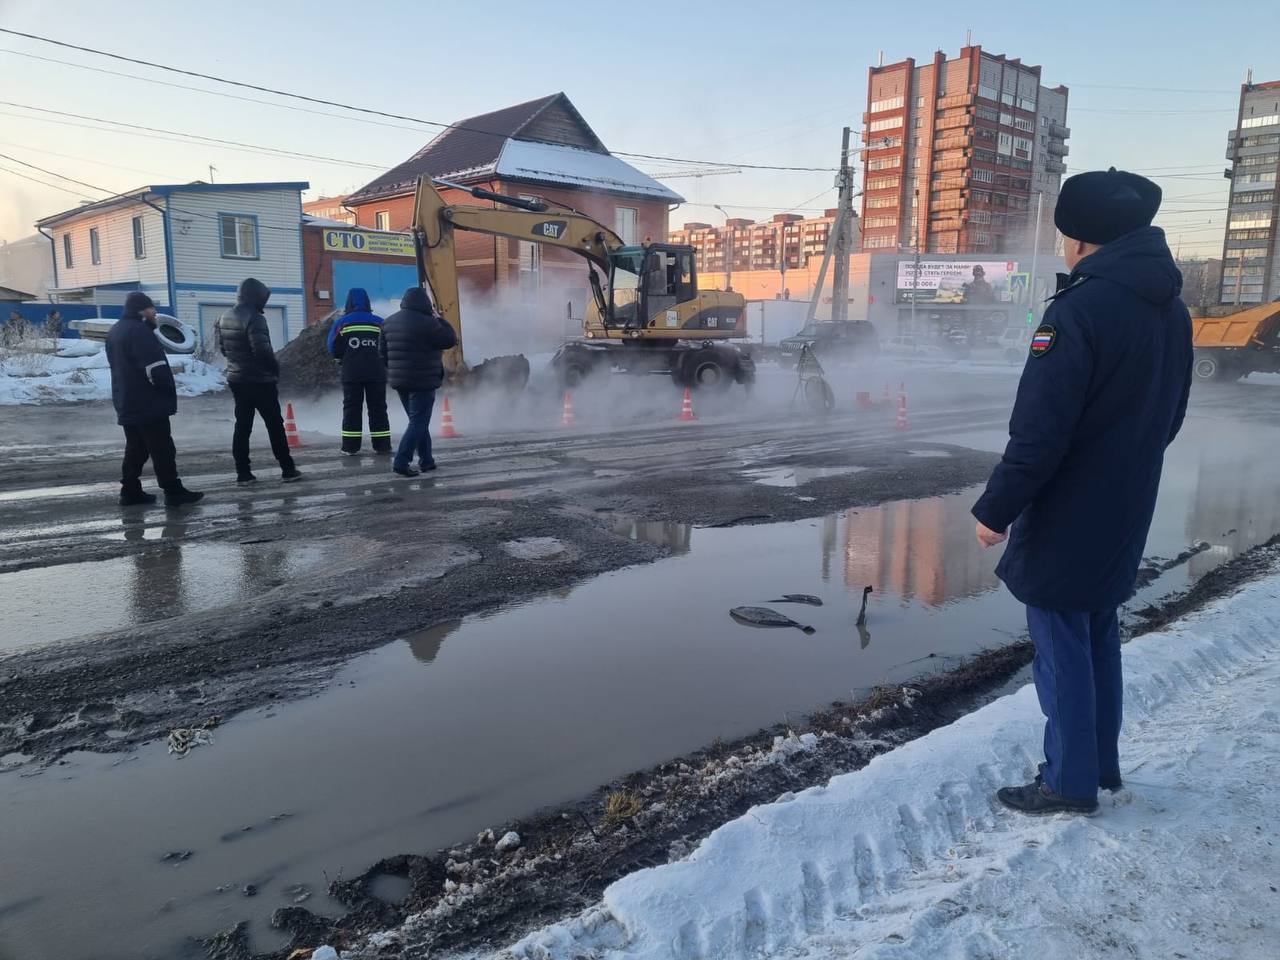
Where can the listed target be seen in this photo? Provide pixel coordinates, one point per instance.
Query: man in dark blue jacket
(355, 339)
(1104, 392)
(412, 340)
(145, 397)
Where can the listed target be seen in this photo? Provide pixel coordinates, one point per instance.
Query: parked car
(832, 342)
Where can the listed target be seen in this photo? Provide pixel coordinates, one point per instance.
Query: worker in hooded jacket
(252, 374)
(355, 340)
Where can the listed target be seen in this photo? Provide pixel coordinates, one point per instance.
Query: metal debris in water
(806, 598)
(764, 617)
(862, 612)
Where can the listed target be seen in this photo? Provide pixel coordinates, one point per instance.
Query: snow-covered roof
(557, 164)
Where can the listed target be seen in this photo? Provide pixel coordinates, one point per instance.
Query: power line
(373, 111)
(195, 136)
(212, 93)
(44, 183)
(79, 183)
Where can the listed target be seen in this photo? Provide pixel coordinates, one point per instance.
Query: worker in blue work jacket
(355, 339)
(1103, 393)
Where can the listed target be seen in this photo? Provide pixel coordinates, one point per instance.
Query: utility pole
(728, 257)
(838, 243)
(915, 244)
(1035, 254)
(840, 279)
(211, 169)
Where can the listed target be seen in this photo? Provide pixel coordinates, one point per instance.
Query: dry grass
(620, 806)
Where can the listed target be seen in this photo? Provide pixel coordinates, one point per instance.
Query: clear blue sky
(747, 81)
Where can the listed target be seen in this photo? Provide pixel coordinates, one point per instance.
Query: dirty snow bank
(909, 857)
(78, 370)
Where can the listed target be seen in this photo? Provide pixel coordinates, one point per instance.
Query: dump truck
(646, 314)
(1234, 346)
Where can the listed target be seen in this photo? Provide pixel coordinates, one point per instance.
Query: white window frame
(68, 260)
(139, 239)
(628, 232)
(95, 246)
(241, 220)
(382, 220)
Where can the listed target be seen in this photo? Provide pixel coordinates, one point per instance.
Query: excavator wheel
(708, 369)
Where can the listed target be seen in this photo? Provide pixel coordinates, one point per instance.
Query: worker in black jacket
(355, 339)
(145, 397)
(412, 341)
(252, 373)
(1104, 392)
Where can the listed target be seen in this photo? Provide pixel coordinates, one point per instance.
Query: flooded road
(156, 584)
(466, 725)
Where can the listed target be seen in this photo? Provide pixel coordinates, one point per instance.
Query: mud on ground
(474, 897)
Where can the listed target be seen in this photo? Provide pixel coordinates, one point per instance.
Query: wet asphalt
(508, 651)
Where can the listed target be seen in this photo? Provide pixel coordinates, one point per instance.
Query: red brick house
(541, 148)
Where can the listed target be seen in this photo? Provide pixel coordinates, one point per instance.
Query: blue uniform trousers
(1078, 681)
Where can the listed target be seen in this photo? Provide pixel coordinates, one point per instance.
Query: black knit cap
(136, 302)
(1102, 205)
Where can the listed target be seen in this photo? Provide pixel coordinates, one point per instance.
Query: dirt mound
(508, 373)
(305, 363)
(307, 368)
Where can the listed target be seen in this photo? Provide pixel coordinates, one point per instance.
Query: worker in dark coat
(413, 339)
(1103, 393)
(145, 397)
(252, 373)
(355, 339)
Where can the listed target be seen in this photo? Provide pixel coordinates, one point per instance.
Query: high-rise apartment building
(788, 241)
(1250, 267)
(958, 152)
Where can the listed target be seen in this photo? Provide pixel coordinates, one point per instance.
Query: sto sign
(369, 243)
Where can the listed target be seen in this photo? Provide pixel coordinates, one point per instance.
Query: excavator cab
(653, 292)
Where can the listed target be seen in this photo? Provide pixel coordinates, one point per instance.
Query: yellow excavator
(647, 315)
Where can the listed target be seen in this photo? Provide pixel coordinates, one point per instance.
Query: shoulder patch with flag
(1043, 339)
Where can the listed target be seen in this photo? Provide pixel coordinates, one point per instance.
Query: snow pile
(77, 370)
(911, 857)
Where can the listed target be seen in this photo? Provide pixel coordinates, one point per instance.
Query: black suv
(832, 341)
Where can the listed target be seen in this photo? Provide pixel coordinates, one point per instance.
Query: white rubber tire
(174, 335)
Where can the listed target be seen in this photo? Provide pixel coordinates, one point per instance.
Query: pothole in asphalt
(537, 548)
(792, 476)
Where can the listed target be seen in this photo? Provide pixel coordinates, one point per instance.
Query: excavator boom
(537, 221)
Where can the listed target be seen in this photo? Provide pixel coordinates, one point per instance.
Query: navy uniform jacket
(142, 386)
(356, 339)
(1103, 393)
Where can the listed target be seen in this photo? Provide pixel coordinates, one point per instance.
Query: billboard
(957, 281)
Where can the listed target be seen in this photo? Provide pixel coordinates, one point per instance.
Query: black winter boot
(1037, 798)
(135, 496)
(180, 496)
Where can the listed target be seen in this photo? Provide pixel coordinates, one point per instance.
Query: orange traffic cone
(686, 408)
(446, 421)
(291, 428)
(901, 423)
(888, 397)
(566, 418)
